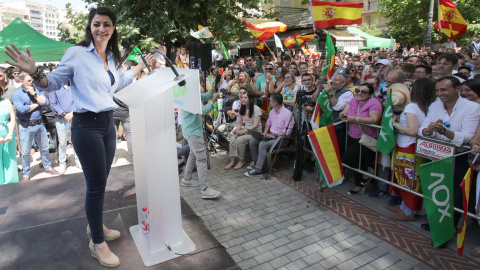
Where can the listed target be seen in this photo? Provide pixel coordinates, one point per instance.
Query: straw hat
(400, 96)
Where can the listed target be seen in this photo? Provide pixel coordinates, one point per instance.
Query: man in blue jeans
(60, 101)
(28, 102)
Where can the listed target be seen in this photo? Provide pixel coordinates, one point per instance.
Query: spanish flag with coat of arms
(450, 21)
(328, 14)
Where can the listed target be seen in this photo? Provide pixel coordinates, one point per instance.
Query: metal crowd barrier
(457, 151)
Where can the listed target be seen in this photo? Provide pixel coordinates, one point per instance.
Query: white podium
(151, 101)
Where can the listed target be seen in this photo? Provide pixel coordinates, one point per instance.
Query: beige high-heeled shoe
(114, 234)
(111, 261)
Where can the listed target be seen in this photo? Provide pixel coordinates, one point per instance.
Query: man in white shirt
(216, 55)
(450, 44)
(339, 96)
(453, 119)
(475, 44)
(476, 67)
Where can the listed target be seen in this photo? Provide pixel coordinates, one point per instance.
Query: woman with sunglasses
(363, 109)
(280, 73)
(289, 91)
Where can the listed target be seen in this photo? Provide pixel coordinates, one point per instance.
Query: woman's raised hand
(20, 60)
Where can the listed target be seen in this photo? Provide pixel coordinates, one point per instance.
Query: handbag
(367, 140)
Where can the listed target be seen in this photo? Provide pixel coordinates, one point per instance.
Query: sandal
(476, 251)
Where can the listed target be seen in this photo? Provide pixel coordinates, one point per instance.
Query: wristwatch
(63, 114)
(442, 131)
(357, 119)
(35, 95)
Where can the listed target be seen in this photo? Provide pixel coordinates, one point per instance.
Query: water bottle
(145, 226)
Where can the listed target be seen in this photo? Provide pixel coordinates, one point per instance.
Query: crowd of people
(435, 93)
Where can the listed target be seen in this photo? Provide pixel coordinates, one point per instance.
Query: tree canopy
(408, 19)
(171, 20)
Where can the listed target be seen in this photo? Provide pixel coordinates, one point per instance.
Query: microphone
(180, 77)
(128, 49)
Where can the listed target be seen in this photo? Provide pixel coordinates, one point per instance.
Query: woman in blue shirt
(93, 69)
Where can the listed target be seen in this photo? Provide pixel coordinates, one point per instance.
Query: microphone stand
(180, 77)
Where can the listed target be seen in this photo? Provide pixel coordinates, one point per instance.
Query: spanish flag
(329, 14)
(302, 40)
(180, 64)
(466, 184)
(290, 41)
(264, 31)
(325, 146)
(450, 21)
(260, 46)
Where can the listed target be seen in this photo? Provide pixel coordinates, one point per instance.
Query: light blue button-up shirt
(90, 83)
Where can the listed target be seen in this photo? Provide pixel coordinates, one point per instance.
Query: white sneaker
(61, 169)
(251, 166)
(210, 193)
(189, 183)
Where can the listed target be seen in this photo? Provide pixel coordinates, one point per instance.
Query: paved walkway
(282, 224)
(265, 224)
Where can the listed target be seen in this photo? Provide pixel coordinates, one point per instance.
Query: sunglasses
(288, 77)
(307, 80)
(361, 91)
(278, 70)
(268, 68)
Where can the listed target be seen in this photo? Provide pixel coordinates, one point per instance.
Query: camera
(223, 92)
(301, 94)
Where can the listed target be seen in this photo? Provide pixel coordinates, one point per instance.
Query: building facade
(41, 17)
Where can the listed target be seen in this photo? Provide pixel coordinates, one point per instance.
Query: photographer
(225, 81)
(243, 80)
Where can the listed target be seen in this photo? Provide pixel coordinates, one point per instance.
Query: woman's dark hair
(113, 42)
(371, 90)
(243, 108)
(473, 84)
(423, 93)
(1, 92)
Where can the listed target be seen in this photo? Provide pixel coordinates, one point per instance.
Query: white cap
(384, 62)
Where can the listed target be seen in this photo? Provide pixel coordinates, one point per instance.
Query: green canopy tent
(22, 35)
(372, 41)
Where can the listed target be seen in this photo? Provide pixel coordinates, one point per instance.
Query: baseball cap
(384, 62)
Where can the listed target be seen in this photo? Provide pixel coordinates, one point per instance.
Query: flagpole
(268, 48)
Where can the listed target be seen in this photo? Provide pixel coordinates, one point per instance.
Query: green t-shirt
(262, 82)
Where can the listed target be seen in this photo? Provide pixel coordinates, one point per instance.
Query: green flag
(330, 67)
(386, 138)
(135, 55)
(326, 117)
(437, 188)
(223, 50)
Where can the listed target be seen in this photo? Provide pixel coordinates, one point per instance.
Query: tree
(371, 29)
(171, 20)
(77, 20)
(408, 19)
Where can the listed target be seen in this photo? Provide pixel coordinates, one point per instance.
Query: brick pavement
(270, 224)
(265, 224)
